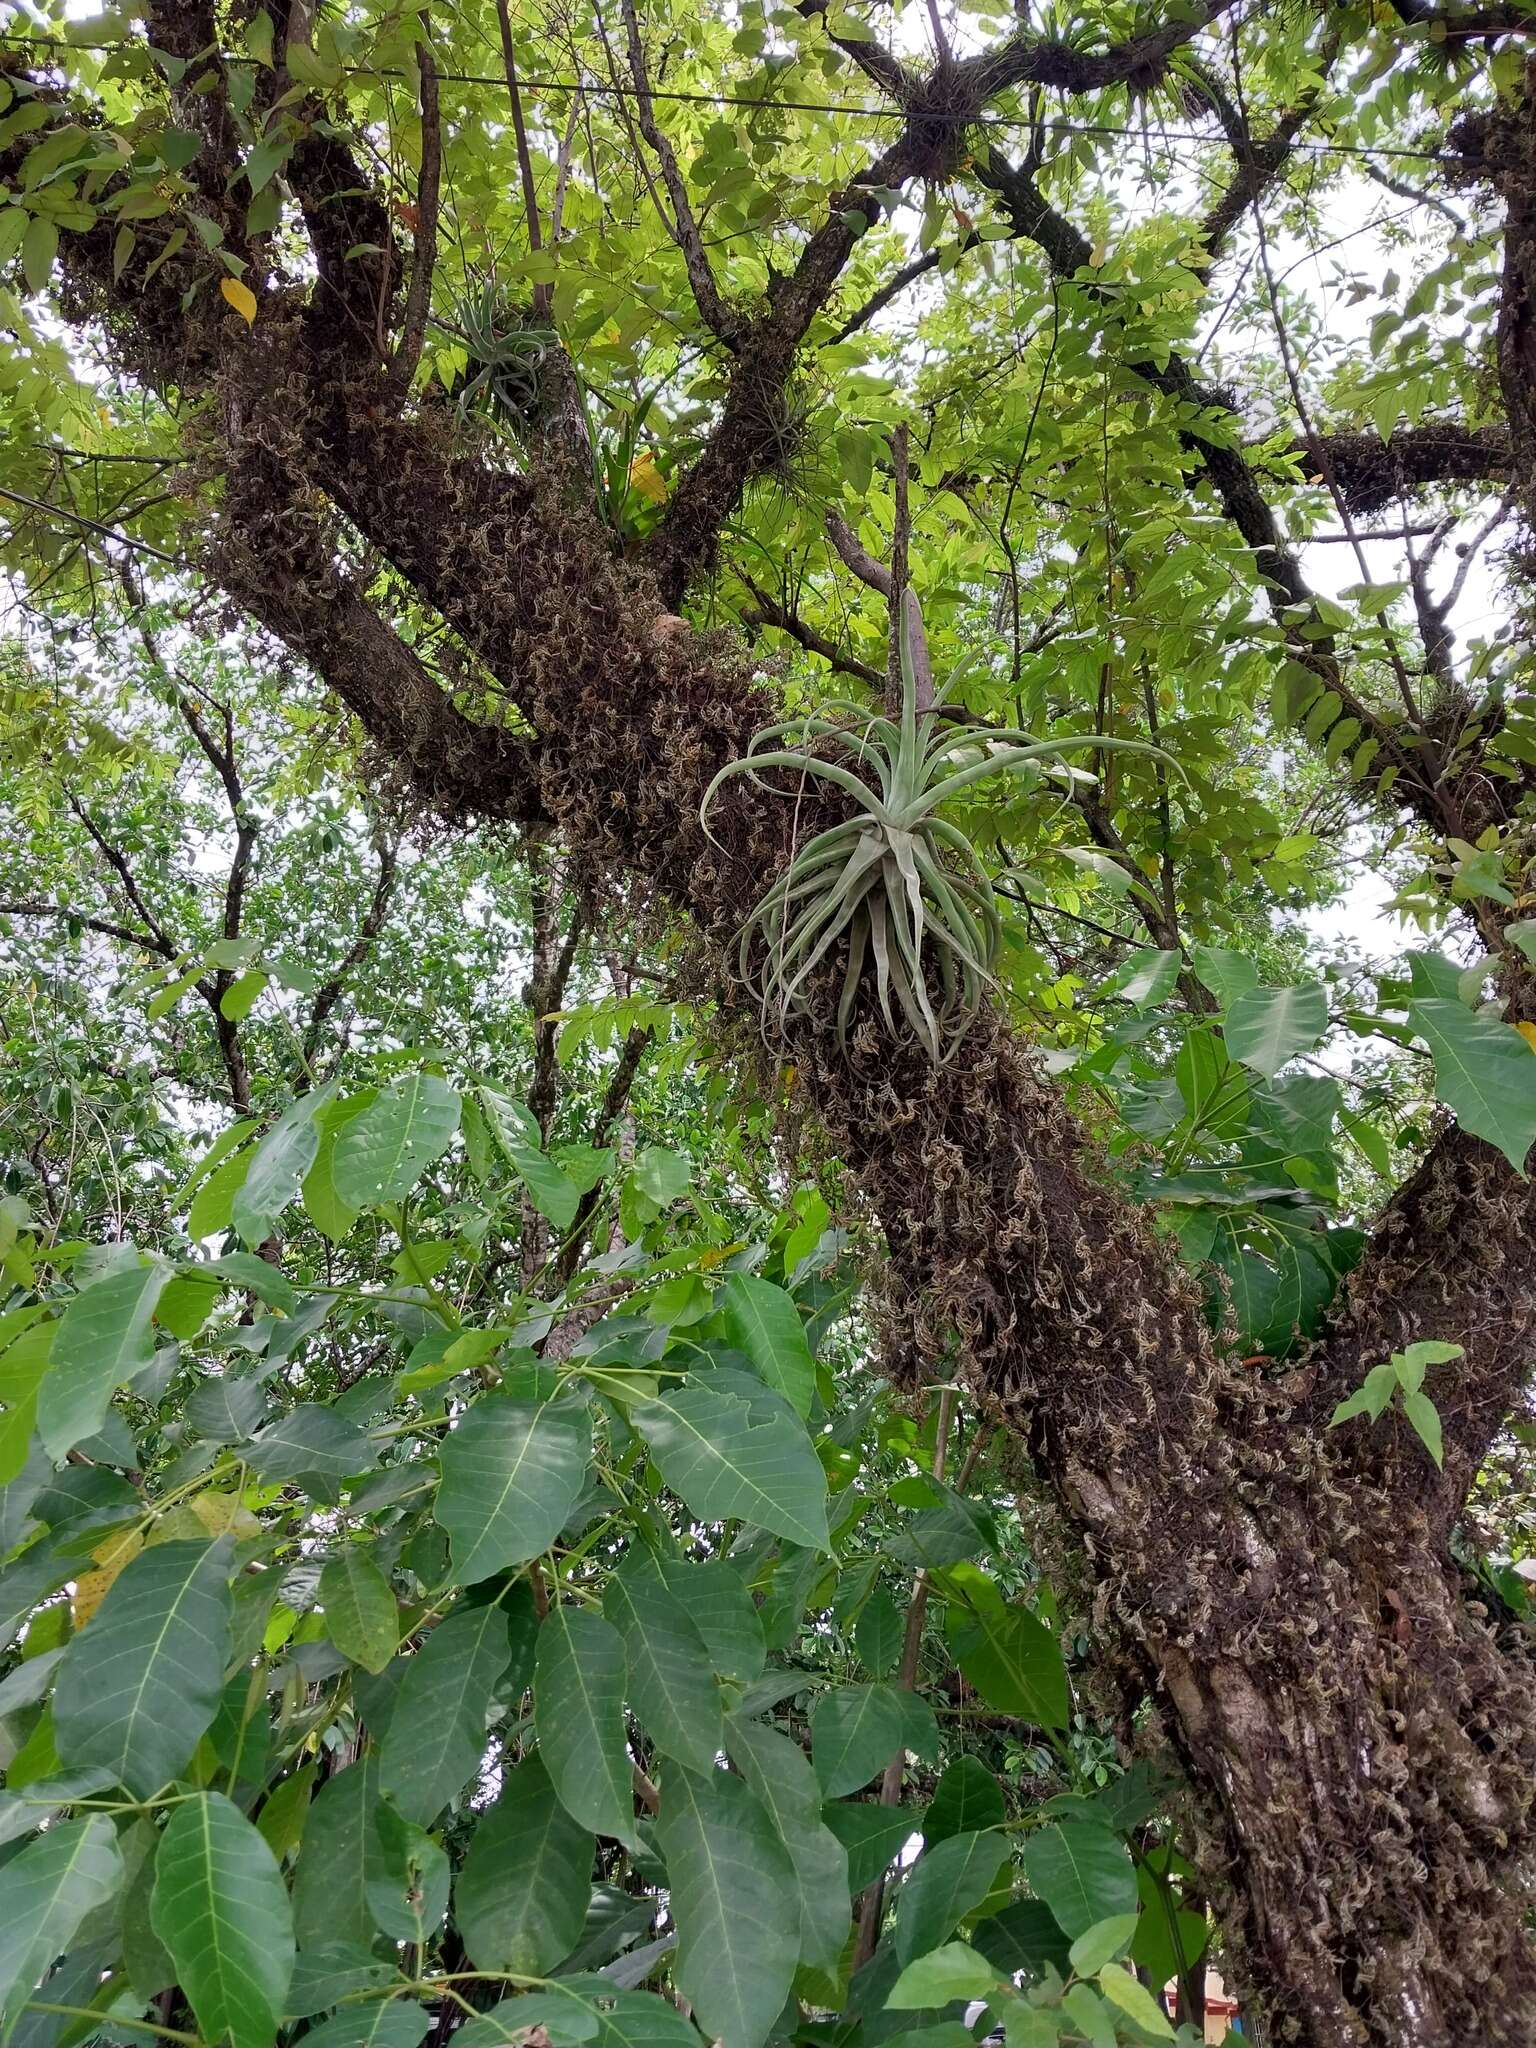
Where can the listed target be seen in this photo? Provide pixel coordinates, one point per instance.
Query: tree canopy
(719, 1318)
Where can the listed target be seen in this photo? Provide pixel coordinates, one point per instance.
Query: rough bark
(1363, 1736)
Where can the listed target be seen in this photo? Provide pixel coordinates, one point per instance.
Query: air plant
(506, 357)
(895, 883)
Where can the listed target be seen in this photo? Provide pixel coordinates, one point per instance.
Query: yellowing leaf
(222, 1515)
(646, 478)
(241, 297)
(109, 1557)
(1528, 1033)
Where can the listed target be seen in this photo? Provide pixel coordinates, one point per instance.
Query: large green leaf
(310, 1440)
(672, 1682)
(522, 1895)
(735, 1901)
(726, 1466)
(554, 1194)
(1082, 1872)
(512, 1472)
(855, 1731)
(1485, 1073)
(779, 1773)
(383, 2023)
(221, 1909)
(715, 1598)
(1265, 1027)
(382, 1152)
(578, 1700)
(141, 1684)
(763, 1322)
(342, 1857)
(576, 2010)
(966, 1798)
(946, 1883)
(360, 1611)
(103, 1338)
(1015, 1663)
(45, 1892)
(436, 1733)
(873, 1835)
(277, 1166)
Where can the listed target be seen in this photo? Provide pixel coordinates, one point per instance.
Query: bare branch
(329, 992)
(681, 225)
(146, 941)
(765, 612)
(856, 556)
(418, 298)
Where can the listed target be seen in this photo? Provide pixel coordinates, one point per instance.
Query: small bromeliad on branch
(895, 882)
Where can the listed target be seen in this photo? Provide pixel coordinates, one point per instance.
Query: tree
(502, 471)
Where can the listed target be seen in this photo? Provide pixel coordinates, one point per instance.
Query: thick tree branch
(1371, 472)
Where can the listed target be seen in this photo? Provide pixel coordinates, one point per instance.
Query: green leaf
(382, 1153)
(1485, 1073)
(715, 1597)
(672, 1682)
(213, 1204)
(385, 2023)
(966, 1798)
(855, 1731)
(310, 1440)
(762, 1321)
(436, 1733)
(1102, 1943)
(662, 1176)
(103, 1338)
(1265, 1027)
(361, 1615)
(872, 1835)
(568, 2021)
(45, 1893)
(239, 999)
(946, 1883)
(1227, 975)
(410, 1902)
(592, 2012)
(1425, 1418)
(224, 1410)
(221, 1909)
(331, 1216)
(521, 1898)
(1146, 977)
(780, 1775)
(726, 1466)
(954, 1971)
(39, 247)
(1015, 1663)
(324, 1976)
(276, 1168)
(735, 1902)
(1082, 1872)
(878, 1632)
(141, 1684)
(342, 1856)
(512, 1472)
(578, 1703)
(1136, 2002)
